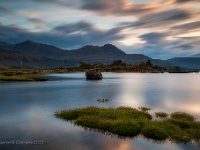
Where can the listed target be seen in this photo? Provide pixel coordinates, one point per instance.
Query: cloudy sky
(157, 28)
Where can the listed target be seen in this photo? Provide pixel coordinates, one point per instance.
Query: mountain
(187, 63)
(39, 49)
(195, 55)
(90, 53)
(5, 45)
(37, 55)
(105, 54)
(17, 59)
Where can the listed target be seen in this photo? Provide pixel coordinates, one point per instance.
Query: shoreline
(35, 74)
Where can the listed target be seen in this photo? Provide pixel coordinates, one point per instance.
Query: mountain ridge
(38, 55)
(195, 55)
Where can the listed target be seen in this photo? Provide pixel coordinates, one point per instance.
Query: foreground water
(26, 109)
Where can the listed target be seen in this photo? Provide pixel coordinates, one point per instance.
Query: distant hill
(39, 49)
(188, 63)
(38, 55)
(5, 45)
(195, 55)
(16, 59)
(105, 54)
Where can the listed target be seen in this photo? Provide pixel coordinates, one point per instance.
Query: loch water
(27, 109)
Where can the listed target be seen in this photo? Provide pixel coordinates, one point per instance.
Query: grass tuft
(161, 114)
(154, 131)
(182, 116)
(144, 109)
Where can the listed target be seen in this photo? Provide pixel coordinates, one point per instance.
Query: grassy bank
(20, 75)
(130, 122)
(21, 78)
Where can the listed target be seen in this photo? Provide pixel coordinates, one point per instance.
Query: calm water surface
(26, 109)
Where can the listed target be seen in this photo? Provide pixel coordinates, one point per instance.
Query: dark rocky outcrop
(93, 74)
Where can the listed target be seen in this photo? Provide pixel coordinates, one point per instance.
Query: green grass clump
(182, 116)
(175, 133)
(161, 114)
(144, 109)
(130, 122)
(155, 131)
(125, 128)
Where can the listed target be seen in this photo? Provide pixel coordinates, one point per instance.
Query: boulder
(93, 74)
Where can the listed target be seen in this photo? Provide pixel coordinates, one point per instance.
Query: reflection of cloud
(123, 145)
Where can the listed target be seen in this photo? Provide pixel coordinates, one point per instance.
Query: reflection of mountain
(37, 55)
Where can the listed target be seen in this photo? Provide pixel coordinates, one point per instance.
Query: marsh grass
(161, 115)
(130, 122)
(144, 109)
(21, 78)
(182, 116)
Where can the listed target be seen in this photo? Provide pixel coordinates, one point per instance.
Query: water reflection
(26, 110)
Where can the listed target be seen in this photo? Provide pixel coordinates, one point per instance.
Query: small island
(130, 122)
(93, 74)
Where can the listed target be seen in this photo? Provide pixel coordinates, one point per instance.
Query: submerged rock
(104, 100)
(93, 74)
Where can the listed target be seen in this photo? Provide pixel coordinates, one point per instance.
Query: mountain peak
(112, 49)
(109, 45)
(38, 48)
(89, 47)
(27, 42)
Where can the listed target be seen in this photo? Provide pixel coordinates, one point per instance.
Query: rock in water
(93, 74)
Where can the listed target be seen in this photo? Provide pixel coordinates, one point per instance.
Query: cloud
(153, 37)
(38, 23)
(183, 47)
(184, 1)
(6, 10)
(60, 2)
(75, 27)
(110, 7)
(158, 46)
(123, 7)
(61, 37)
(187, 26)
(89, 33)
(160, 19)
